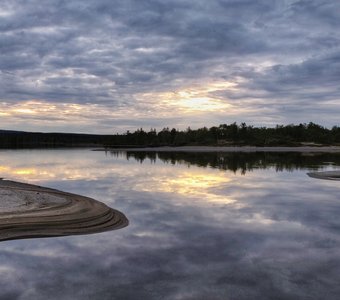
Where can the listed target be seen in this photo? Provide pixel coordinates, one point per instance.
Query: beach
(33, 211)
(302, 149)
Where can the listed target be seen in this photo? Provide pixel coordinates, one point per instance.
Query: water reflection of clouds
(281, 243)
(195, 184)
(55, 165)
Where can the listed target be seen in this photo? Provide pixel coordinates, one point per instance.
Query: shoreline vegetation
(239, 137)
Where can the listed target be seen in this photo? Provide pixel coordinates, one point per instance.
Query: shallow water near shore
(202, 226)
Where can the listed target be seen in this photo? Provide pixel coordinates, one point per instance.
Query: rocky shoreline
(33, 211)
(327, 175)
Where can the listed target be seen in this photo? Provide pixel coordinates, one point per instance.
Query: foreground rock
(33, 211)
(329, 175)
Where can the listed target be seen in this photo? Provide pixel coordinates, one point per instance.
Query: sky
(107, 66)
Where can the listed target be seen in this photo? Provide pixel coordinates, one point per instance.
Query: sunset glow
(195, 184)
(182, 149)
(104, 72)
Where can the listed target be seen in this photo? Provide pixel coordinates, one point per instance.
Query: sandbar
(303, 149)
(28, 211)
(328, 175)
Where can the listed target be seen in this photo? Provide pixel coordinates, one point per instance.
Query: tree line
(222, 135)
(232, 134)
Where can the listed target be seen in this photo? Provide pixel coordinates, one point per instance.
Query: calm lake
(202, 226)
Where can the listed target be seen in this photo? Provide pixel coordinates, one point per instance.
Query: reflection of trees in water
(240, 161)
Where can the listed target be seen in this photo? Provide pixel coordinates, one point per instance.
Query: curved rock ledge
(328, 175)
(33, 211)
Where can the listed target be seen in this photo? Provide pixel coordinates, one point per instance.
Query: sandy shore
(306, 149)
(33, 211)
(328, 175)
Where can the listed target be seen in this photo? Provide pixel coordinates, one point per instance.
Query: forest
(223, 135)
(20, 139)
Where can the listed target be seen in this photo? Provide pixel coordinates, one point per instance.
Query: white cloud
(282, 56)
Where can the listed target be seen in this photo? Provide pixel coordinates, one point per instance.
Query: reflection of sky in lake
(194, 233)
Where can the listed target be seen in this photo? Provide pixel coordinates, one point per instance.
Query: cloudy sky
(107, 66)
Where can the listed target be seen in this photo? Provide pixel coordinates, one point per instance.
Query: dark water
(202, 226)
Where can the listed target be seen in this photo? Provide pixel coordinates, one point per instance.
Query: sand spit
(34, 211)
(328, 175)
(304, 149)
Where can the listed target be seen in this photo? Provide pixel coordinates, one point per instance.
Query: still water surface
(202, 226)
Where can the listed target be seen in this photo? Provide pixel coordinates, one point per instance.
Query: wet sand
(34, 211)
(303, 149)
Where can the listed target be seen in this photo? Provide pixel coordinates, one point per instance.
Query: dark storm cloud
(106, 52)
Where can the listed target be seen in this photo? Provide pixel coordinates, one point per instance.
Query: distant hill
(21, 139)
(11, 131)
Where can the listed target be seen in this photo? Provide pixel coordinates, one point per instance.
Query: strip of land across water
(328, 175)
(303, 149)
(224, 135)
